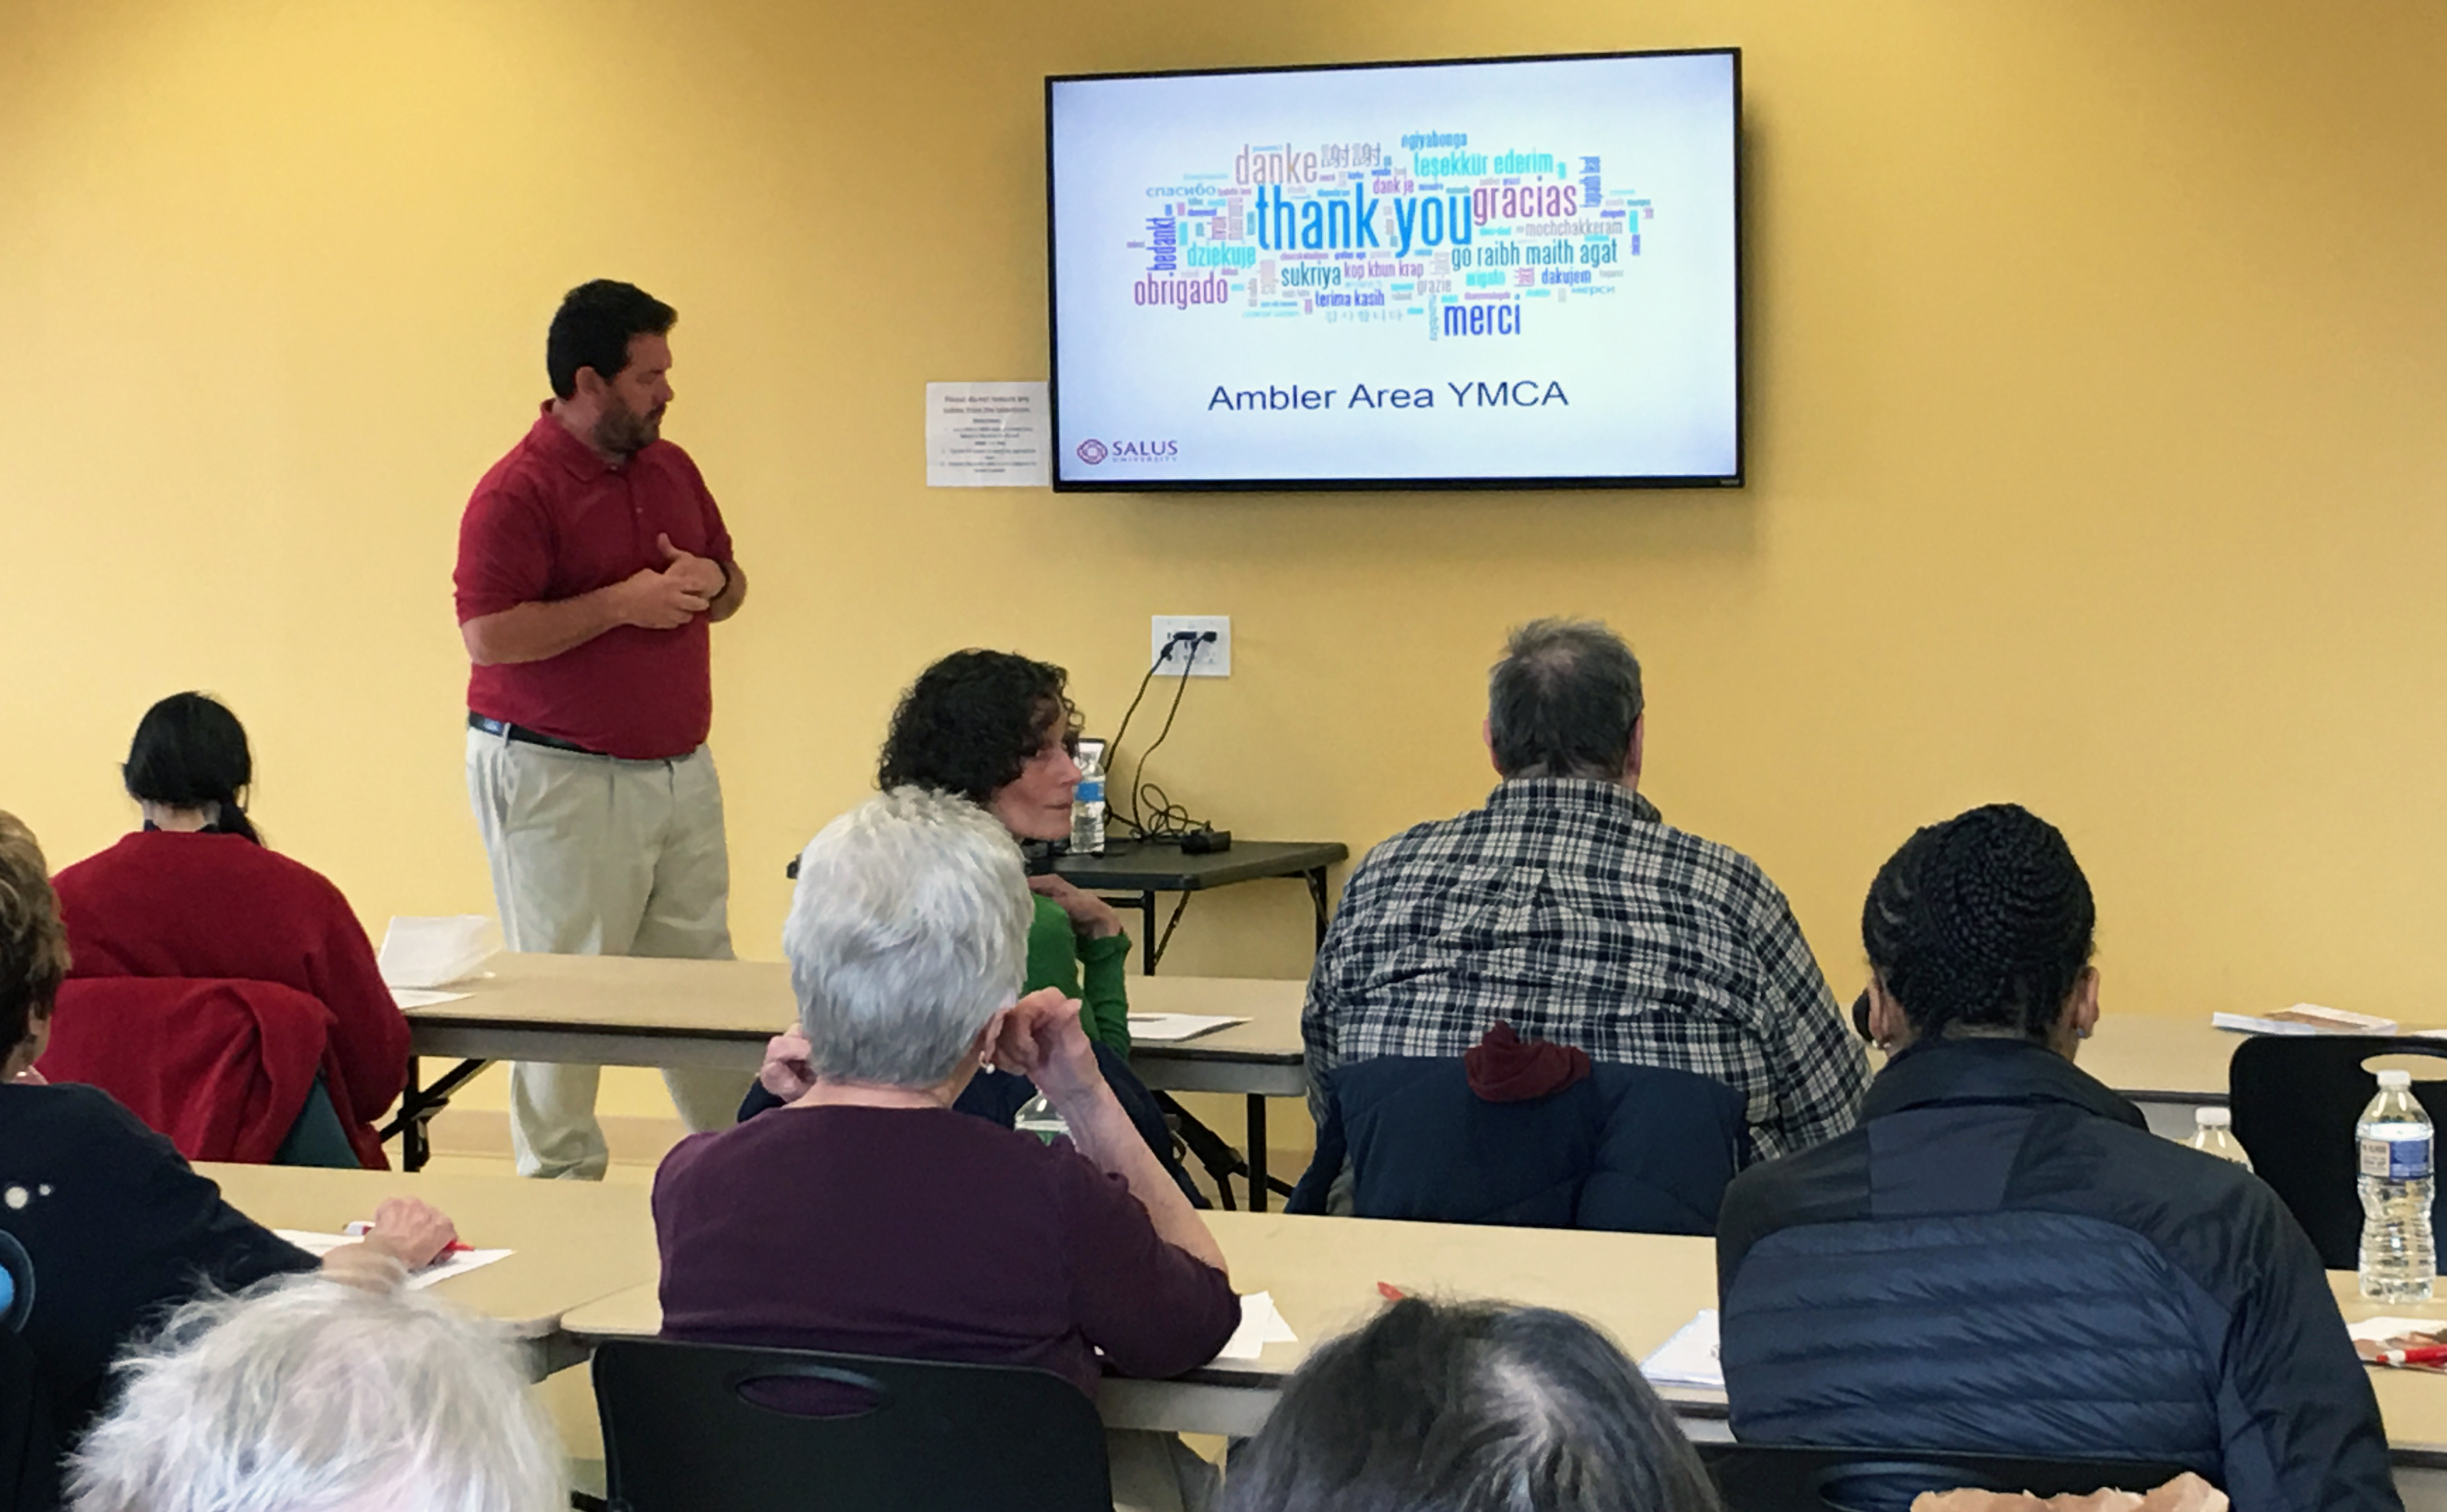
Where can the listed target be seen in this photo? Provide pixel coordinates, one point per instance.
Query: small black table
(1142, 868)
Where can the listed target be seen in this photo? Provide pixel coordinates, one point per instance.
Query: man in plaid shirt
(1569, 909)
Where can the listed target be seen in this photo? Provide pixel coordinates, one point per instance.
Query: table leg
(417, 1105)
(411, 1128)
(1221, 1161)
(1315, 877)
(1146, 932)
(1256, 1153)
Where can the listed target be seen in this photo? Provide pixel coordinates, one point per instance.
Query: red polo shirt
(552, 521)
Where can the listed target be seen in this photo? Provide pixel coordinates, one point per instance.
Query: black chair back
(1639, 1149)
(709, 1428)
(1789, 1478)
(2295, 1098)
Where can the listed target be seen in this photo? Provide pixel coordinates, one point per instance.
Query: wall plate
(1214, 657)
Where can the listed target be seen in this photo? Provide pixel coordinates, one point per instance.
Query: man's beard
(620, 433)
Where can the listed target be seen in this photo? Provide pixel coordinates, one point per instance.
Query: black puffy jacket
(2003, 1258)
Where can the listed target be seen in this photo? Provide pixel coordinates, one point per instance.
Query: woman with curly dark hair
(1000, 730)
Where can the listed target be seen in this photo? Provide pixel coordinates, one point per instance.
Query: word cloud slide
(1499, 273)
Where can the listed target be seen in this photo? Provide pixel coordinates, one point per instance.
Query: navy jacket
(2003, 1257)
(1633, 1149)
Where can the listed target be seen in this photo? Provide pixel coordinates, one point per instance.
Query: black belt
(520, 732)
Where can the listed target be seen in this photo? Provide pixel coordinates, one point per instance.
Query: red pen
(2413, 1354)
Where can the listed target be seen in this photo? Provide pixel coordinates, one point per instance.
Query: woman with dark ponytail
(196, 895)
(2001, 1258)
(189, 767)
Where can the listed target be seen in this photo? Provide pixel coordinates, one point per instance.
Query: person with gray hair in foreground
(302, 1396)
(867, 1216)
(1473, 1407)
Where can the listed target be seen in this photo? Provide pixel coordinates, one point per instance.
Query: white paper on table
(2304, 1018)
(988, 435)
(1689, 1358)
(2381, 1330)
(1262, 1324)
(411, 999)
(1171, 1028)
(436, 951)
(444, 1269)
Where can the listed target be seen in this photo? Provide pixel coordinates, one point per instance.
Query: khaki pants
(592, 855)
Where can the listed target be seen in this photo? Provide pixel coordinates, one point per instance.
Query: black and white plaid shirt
(1571, 910)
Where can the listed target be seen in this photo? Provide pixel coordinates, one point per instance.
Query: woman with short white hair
(308, 1397)
(866, 1216)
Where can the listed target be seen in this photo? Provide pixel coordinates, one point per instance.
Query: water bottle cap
(2213, 1117)
(2394, 1081)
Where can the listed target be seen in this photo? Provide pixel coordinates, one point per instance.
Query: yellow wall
(2096, 375)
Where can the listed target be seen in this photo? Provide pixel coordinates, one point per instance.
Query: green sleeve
(1107, 1001)
(1055, 955)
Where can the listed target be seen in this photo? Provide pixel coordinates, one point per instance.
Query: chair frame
(681, 1435)
(1815, 1478)
(2278, 1084)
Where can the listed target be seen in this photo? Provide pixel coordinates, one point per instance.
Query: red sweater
(165, 904)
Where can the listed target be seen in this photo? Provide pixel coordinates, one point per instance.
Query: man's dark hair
(1562, 701)
(33, 943)
(593, 326)
(1469, 1408)
(189, 751)
(970, 723)
(1983, 923)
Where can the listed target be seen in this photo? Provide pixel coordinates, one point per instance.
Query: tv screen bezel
(1737, 479)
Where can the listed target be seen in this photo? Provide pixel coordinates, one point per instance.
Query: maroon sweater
(925, 1235)
(160, 903)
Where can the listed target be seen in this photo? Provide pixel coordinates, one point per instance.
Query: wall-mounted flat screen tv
(1514, 273)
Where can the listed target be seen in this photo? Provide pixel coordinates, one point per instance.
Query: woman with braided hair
(2001, 1258)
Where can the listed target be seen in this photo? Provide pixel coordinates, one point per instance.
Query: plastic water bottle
(1039, 1116)
(1088, 808)
(2400, 1258)
(2213, 1134)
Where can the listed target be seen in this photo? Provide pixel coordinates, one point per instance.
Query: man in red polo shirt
(591, 562)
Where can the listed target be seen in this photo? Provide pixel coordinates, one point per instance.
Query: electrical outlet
(1214, 658)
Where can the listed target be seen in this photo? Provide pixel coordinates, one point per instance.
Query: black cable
(1113, 747)
(1170, 820)
(1138, 776)
(1163, 942)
